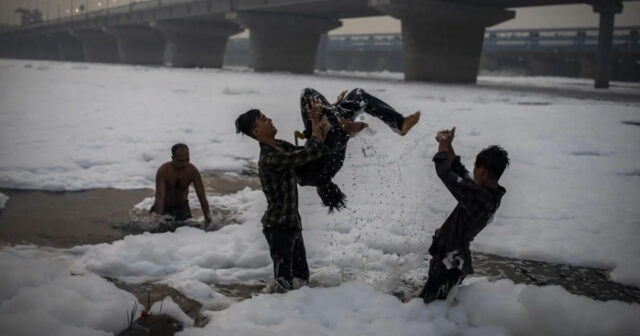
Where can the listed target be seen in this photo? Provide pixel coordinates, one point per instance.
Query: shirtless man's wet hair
(172, 186)
(177, 146)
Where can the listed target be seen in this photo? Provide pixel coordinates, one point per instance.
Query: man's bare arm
(158, 206)
(202, 197)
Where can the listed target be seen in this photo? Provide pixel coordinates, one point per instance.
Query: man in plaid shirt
(478, 199)
(277, 168)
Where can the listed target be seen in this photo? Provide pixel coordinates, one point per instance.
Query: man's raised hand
(315, 114)
(446, 136)
(315, 110)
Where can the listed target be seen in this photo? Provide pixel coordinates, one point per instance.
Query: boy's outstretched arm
(460, 186)
(445, 138)
(311, 150)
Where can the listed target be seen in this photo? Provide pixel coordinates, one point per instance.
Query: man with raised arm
(277, 165)
(478, 198)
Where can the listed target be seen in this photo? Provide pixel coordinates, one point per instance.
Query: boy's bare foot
(409, 122)
(353, 127)
(356, 127)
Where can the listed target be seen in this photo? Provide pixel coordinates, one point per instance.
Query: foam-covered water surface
(572, 194)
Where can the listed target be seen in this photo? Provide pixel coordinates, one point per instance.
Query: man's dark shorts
(179, 213)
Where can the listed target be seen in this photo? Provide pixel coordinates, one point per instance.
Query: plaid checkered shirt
(277, 170)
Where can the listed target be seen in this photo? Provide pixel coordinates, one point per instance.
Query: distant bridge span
(442, 40)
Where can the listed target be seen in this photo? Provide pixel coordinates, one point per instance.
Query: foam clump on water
(583, 210)
(481, 308)
(41, 295)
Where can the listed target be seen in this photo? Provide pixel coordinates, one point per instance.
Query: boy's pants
(441, 280)
(354, 103)
(288, 255)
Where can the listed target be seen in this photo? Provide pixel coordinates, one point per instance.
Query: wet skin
(172, 184)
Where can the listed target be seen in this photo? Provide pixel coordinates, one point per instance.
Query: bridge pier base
(98, 46)
(139, 45)
(196, 45)
(27, 48)
(8, 48)
(283, 43)
(442, 42)
(47, 49)
(607, 9)
(69, 48)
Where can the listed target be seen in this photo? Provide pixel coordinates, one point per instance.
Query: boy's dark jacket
(476, 206)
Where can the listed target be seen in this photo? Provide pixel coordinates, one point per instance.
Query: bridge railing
(566, 40)
(102, 12)
(576, 39)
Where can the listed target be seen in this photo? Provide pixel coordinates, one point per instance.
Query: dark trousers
(441, 280)
(354, 103)
(288, 255)
(179, 213)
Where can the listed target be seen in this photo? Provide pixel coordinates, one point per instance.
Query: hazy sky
(534, 17)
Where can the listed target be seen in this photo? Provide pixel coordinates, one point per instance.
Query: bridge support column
(139, 44)
(607, 9)
(6, 48)
(47, 48)
(442, 42)
(283, 43)
(10, 48)
(98, 46)
(201, 44)
(27, 48)
(70, 48)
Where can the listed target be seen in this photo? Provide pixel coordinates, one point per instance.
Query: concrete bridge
(442, 40)
(567, 52)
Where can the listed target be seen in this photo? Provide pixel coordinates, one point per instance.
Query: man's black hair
(332, 197)
(494, 159)
(246, 122)
(177, 146)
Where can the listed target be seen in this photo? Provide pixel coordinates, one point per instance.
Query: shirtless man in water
(172, 186)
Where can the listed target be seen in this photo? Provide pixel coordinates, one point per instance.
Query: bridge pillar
(20, 48)
(9, 48)
(47, 48)
(70, 48)
(6, 48)
(98, 46)
(201, 44)
(607, 9)
(26, 48)
(283, 43)
(442, 42)
(139, 44)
